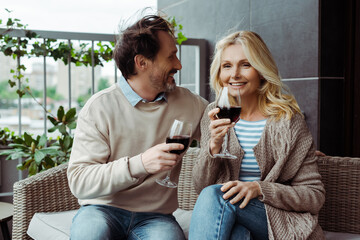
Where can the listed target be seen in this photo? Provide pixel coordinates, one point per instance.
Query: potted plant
(40, 153)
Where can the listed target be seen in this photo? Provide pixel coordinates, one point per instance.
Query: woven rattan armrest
(341, 177)
(186, 192)
(45, 192)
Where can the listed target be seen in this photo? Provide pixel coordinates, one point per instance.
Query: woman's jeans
(216, 218)
(106, 222)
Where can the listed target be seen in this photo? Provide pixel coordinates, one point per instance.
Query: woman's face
(236, 73)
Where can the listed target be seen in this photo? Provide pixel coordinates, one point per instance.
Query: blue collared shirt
(132, 96)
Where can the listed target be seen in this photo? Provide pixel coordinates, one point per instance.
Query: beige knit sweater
(290, 182)
(105, 165)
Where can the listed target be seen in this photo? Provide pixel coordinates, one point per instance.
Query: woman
(273, 190)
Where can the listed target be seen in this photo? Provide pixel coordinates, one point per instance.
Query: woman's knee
(210, 196)
(212, 191)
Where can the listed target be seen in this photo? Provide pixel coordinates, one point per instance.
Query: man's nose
(178, 65)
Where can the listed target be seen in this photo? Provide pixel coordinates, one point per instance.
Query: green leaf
(11, 83)
(49, 150)
(67, 142)
(18, 145)
(180, 38)
(53, 120)
(32, 169)
(62, 129)
(20, 166)
(39, 156)
(28, 139)
(7, 152)
(20, 93)
(70, 114)
(72, 125)
(60, 113)
(49, 162)
(9, 22)
(42, 141)
(53, 129)
(27, 162)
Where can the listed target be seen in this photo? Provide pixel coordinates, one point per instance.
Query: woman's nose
(236, 73)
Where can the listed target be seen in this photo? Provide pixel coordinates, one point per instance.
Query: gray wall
(289, 27)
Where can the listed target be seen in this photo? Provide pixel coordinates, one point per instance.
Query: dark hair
(139, 38)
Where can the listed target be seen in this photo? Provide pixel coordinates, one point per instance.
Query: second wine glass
(180, 132)
(230, 107)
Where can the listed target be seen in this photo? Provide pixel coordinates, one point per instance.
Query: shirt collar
(132, 96)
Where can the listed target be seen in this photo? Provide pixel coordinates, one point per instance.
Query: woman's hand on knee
(240, 190)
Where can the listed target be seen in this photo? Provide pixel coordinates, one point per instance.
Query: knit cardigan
(290, 183)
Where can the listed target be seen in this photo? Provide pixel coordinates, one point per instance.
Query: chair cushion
(183, 218)
(339, 235)
(56, 226)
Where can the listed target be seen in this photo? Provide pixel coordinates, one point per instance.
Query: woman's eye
(246, 64)
(226, 65)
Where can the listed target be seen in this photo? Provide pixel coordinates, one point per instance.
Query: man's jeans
(216, 218)
(106, 222)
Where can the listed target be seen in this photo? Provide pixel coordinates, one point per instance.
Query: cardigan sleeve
(208, 170)
(297, 185)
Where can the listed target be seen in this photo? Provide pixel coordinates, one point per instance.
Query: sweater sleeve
(201, 106)
(208, 170)
(298, 187)
(90, 173)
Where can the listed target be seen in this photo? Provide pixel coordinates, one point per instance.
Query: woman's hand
(240, 190)
(218, 128)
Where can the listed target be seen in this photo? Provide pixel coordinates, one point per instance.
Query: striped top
(248, 134)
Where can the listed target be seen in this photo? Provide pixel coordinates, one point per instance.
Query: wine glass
(230, 107)
(180, 132)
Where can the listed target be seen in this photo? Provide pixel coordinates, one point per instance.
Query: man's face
(165, 64)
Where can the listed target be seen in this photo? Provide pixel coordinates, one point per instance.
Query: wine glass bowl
(230, 107)
(180, 132)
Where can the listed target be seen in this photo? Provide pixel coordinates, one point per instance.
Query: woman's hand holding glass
(218, 129)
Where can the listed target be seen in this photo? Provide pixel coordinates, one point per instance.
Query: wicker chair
(49, 192)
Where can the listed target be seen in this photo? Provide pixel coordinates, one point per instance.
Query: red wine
(183, 139)
(233, 113)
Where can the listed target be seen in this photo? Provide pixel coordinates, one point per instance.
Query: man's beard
(163, 85)
(169, 87)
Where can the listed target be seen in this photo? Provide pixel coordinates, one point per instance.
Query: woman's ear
(140, 62)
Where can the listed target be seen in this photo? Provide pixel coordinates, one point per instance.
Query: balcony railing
(192, 53)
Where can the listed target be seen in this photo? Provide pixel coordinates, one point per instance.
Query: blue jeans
(106, 222)
(216, 218)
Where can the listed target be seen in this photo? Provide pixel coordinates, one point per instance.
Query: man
(119, 148)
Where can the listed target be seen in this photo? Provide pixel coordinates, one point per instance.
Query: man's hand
(159, 159)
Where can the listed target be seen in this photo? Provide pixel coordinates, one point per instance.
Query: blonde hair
(275, 98)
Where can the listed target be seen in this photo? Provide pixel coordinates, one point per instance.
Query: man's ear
(141, 62)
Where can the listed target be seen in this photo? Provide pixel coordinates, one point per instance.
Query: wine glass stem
(225, 146)
(168, 175)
